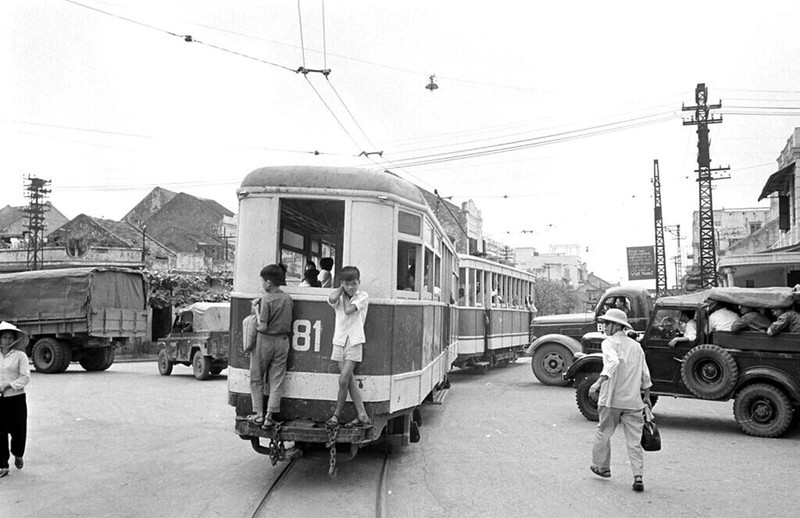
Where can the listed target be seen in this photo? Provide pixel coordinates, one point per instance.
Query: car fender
(568, 342)
(774, 377)
(584, 363)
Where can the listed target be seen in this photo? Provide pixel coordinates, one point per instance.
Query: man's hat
(617, 316)
(21, 338)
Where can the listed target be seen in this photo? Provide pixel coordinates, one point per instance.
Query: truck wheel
(762, 410)
(709, 371)
(164, 365)
(110, 354)
(551, 360)
(201, 366)
(587, 402)
(67, 357)
(48, 355)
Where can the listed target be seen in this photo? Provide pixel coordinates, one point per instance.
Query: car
(200, 338)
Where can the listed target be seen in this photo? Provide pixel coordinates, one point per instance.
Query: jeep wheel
(551, 360)
(762, 410)
(201, 366)
(49, 356)
(164, 365)
(587, 402)
(709, 372)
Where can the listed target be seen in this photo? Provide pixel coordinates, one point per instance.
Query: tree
(554, 297)
(181, 289)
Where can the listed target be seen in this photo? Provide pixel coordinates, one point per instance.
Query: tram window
(407, 266)
(409, 223)
(310, 229)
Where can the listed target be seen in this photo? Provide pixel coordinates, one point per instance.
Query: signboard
(641, 263)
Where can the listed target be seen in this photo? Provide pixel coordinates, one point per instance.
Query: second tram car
(381, 224)
(494, 312)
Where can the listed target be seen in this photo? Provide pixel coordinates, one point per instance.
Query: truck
(75, 314)
(759, 372)
(200, 338)
(556, 338)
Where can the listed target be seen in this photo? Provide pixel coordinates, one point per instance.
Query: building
(14, 224)
(555, 264)
(463, 225)
(770, 256)
(731, 226)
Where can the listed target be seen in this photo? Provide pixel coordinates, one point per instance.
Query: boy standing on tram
(350, 305)
(273, 311)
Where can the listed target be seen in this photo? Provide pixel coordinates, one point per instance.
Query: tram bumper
(306, 432)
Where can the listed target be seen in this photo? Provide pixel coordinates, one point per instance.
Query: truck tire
(587, 403)
(108, 358)
(201, 366)
(48, 356)
(94, 360)
(67, 359)
(762, 410)
(709, 371)
(551, 360)
(164, 365)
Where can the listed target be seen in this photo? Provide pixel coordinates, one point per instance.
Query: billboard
(641, 263)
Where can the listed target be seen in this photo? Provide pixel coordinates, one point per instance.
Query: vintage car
(200, 337)
(761, 373)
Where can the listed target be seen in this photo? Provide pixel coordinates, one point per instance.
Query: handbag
(651, 437)
(249, 332)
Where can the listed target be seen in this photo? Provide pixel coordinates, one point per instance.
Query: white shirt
(350, 328)
(625, 366)
(14, 369)
(722, 319)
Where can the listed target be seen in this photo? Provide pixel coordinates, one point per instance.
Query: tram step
(438, 396)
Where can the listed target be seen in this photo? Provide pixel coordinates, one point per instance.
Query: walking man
(623, 378)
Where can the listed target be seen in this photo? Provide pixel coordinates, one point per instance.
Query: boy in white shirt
(350, 305)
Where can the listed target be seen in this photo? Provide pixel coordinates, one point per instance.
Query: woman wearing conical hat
(14, 376)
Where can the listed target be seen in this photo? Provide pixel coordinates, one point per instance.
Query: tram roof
(345, 178)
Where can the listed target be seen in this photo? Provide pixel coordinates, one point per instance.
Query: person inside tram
(410, 280)
(462, 300)
(310, 279)
(325, 277)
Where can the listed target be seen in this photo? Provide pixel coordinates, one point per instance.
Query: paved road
(128, 442)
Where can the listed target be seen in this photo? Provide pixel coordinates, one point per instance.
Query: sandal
(268, 423)
(638, 485)
(359, 422)
(332, 421)
(600, 472)
(257, 420)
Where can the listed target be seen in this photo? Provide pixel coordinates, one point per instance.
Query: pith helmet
(615, 315)
(20, 337)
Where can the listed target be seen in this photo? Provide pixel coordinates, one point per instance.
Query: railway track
(303, 488)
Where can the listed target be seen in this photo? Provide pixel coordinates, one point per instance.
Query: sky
(548, 115)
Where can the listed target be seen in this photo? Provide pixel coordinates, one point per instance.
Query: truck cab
(556, 339)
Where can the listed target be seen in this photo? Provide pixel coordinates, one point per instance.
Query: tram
(494, 312)
(380, 223)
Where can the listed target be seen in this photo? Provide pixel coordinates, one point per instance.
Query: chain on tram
(333, 432)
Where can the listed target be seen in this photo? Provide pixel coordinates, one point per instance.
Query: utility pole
(37, 192)
(661, 261)
(675, 230)
(701, 119)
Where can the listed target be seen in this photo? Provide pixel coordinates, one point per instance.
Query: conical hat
(21, 338)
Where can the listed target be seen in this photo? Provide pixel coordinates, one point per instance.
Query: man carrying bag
(623, 378)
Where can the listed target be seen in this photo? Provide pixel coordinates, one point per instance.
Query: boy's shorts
(350, 352)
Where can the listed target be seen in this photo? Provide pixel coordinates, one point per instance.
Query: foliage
(554, 297)
(181, 289)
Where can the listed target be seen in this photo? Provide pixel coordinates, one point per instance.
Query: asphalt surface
(129, 442)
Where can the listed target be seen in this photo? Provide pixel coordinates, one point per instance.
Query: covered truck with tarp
(200, 338)
(75, 314)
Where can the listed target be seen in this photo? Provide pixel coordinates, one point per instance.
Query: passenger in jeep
(751, 320)
(787, 321)
(689, 330)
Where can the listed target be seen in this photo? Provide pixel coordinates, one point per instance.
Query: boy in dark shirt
(274, 313)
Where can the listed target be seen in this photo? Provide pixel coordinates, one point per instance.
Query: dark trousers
(13, 422)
